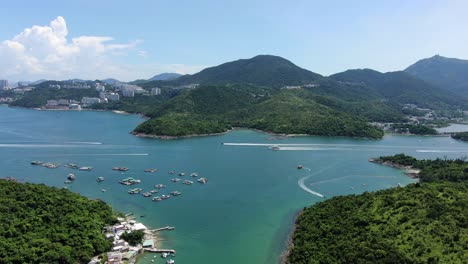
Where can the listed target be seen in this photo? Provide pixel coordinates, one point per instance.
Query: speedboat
(156, 199)
(175, 179)
(147, 194)
(100, 179)
(85, 168)
(299, 167)
(159, 186)
(71, 177)
(36, 162)
(164, 255)
(175, 193)
(182, 174)
(170, 261)
(194, 174)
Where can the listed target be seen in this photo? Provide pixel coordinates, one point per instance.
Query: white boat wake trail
(301, 181)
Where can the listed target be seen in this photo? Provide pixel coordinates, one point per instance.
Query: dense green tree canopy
(40, 224)
(420, 223)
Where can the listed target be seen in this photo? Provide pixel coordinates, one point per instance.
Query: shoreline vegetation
(78, 229)
(408, 169)
(423, 222)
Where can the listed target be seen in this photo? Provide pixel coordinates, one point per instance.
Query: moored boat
(164, 196)
(175, 179)
(156, 199)
(194, 174)
(299, 167)
(71, 177)
(159, 186)
(202, 180)
(187, 182)
(151, 170)
(147, 194)
(120, 168)
(134, 191)
(36, 162)
(175, 193)
(85, 168)
(182, 174)
(100, 179)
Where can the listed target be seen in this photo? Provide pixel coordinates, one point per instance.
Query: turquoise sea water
(243, 214)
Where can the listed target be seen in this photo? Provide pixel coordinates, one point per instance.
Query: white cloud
(45, 52)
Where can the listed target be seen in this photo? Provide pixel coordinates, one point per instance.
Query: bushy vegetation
(461, 136)
(133, 238)
(414, 129)
(433, 170)
(214, 109)
(40, 224)
(420, 223)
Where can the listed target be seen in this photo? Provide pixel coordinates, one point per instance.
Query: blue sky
(137, 39)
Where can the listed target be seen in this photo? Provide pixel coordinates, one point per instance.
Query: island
(423, 222)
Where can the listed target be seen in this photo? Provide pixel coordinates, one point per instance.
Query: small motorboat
(175, 193)
(85, 168)
(71, 177)
(182, 174)
(159, 186)
(187, 182)
(175, 179)
(156, 199)
(36, 162)
(299, 167)
(164, 255)
(100, 179)
(194, 174)
(170, 261)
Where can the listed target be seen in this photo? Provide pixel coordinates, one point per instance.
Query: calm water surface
(246, 210)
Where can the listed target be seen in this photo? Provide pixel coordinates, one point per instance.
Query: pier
(163, 228)
(159, 250)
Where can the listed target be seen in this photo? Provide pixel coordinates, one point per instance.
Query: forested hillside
(420, 223)
(40, 224)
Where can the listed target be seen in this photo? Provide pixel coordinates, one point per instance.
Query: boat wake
(84, 143)
(301, 181)
(441, 151)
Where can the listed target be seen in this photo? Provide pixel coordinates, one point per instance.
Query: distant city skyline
(125, 40)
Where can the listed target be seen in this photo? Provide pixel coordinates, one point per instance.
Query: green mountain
(401, 88)
(447, 73)
(165, 76)
(218, 108)
(263, 70)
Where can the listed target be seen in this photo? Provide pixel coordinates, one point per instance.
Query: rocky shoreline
(408, 170)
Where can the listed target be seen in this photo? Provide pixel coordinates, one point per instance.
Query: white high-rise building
(155, 91)
(4, 85)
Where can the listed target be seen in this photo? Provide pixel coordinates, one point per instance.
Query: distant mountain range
(263, 93)
(272, 94)
(165, 76)
(447, 73)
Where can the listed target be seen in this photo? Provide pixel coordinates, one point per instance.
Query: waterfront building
(90, 100)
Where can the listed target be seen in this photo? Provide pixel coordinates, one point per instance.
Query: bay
(246, 210)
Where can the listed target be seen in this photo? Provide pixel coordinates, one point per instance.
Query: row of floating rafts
(49, 165)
